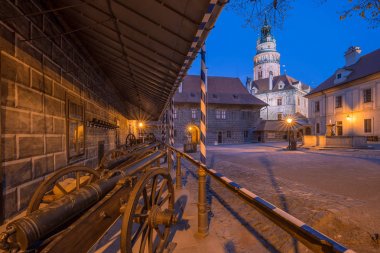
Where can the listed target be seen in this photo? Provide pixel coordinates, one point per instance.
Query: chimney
(248, 83)
(270, 80)
(352, 55)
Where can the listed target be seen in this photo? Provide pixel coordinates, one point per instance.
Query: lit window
(223, 114)
(75, 135)
(367, 125)
(367, 95)
(339, 128)
(217, 114)
(338, 102)
(193, 113)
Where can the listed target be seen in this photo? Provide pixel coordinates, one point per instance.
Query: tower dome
(267, 60)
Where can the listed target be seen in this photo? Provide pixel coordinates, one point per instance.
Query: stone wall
(239, 118)
(40, 70)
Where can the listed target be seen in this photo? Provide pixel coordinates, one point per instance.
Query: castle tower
(267, 59)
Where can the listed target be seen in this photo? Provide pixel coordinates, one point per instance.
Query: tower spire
(267, 59)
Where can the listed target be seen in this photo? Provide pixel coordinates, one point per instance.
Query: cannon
(74, 208)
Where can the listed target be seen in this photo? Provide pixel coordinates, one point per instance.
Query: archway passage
(193, 135)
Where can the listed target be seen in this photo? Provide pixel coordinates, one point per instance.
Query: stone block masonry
(39, 72)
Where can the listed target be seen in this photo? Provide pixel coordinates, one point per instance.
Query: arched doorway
(220, 137)
(193, 134)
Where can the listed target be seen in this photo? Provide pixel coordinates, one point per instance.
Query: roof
(280, 125)
(272, 125)
(143, 53)
(220, 90)
(263, 84)
(367, 65)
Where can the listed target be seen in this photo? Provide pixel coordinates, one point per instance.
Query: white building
(283, 94)
(348, 102)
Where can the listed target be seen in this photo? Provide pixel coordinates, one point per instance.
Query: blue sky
(312, 42)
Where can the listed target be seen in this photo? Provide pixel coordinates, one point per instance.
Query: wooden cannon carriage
(72, 209)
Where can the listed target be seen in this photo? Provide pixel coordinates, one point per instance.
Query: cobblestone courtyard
(336, 191)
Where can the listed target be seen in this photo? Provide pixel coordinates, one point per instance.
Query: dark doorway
(308, 131)
(100, 151)
(220, 137)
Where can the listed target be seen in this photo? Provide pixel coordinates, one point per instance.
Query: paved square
(335, 191)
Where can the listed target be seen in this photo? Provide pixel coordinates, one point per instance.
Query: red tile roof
(367, 65)
(221, 90)
(263, 84)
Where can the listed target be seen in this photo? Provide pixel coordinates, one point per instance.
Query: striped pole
(171, 130)
(163, 130)
(203, 104)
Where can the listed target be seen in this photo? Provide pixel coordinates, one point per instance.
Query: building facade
(283, 94)
(348, 102)
(232, 113)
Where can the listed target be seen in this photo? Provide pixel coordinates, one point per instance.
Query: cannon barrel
(28, 232)
(42, 223)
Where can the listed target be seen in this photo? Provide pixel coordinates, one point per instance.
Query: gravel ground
(335, 191)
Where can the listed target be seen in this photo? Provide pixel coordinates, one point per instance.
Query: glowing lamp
(289, 120)
(141, 124)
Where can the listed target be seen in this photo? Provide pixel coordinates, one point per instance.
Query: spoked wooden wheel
(149, 214)
(61, 183)
(130, 140)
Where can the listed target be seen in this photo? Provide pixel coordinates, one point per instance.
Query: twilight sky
(311, 42)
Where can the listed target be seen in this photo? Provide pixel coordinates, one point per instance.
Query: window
(260, 74)
(367, 95)
(298, 101)
(339, 76)
(175, 133)
(316, 109)
(317, 130)
(339, 128)
(75, 128)
(338, 101)
(279, 116)
(245, 134)
(193, 113)
(228, 134)
(271, 73)
(279, 101)
(223, 114)
(175, 113)
(367, 125)
(217, 114)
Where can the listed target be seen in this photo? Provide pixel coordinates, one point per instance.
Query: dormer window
(339, 76)
(281, 85)
(235, 96)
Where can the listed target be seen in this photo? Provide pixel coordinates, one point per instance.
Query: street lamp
(289, 122)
